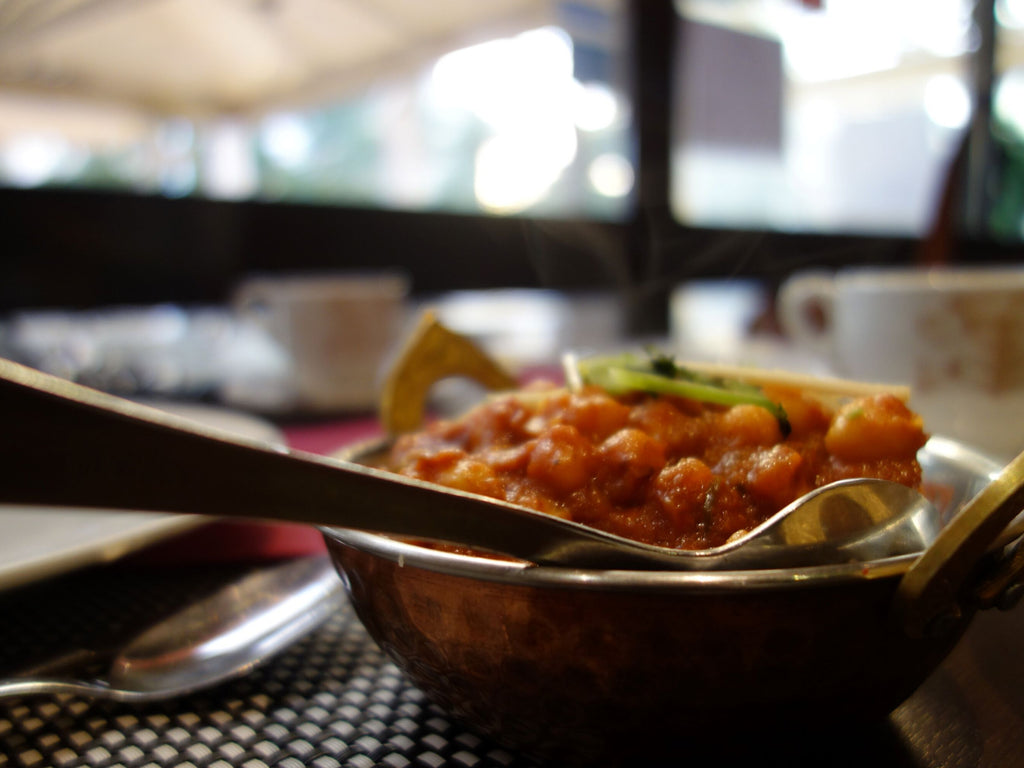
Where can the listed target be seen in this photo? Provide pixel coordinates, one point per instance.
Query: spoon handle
(70, 446)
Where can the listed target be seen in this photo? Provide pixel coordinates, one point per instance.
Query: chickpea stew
(661, 468)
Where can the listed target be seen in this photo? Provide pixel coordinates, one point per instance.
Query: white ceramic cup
(336, 329)
(956, 336)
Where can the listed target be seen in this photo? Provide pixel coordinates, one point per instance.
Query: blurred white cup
(955, 335)
(336, 330)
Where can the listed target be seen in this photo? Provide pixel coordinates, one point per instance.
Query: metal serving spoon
(70, 446)
(213, 640)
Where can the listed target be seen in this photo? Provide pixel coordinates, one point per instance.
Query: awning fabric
(200, 58)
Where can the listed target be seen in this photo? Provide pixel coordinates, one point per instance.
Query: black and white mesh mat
(331, 699)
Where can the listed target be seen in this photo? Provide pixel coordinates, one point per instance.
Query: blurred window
(830, 116)
(1005, 216)
(532, 123)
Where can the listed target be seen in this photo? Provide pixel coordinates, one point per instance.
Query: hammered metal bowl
(592, 666)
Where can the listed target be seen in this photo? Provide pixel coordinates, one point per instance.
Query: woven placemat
(331, 699)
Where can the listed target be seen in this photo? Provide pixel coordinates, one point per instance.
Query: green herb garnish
(658, 373)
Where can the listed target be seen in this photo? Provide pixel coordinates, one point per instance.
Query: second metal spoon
(216, 639)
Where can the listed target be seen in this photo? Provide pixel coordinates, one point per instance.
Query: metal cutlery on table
(218, 638)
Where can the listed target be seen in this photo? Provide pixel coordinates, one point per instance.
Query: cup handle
(253, 302)
(250, 298)
(799, 297)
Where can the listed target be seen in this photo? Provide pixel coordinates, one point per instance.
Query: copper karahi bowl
(587, 666)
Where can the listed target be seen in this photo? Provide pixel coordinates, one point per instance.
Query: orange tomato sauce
(661, 469)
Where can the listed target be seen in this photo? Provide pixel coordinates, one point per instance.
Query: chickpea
(876, 427)
(502, 422)
(596, 414)
(681, 491)
(560, 459)
(749, 426)
(805, 414)
(681, 433)
(430, 465)
(774, 475)
(629, 458)
(513, 459)
(473, 476)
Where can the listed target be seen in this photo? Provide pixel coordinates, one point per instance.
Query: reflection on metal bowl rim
(960, 470)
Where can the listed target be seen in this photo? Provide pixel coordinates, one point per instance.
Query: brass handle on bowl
(432, 353)
(962, 570)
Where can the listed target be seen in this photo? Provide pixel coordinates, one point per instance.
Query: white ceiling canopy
(202, 58)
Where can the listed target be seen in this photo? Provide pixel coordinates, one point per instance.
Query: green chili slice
(660, 374)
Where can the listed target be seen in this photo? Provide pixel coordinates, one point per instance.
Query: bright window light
(595, 107)
(611, 175)
(1010, 13)
(514, 170)
(509, 81)
(286, 140)
(522, 88)
(947, 102)
(858, 37)
(1009, 98)
(32, 159)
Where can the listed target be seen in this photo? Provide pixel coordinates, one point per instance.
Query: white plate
(40, 543)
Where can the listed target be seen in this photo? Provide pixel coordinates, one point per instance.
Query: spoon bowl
(855, 520)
